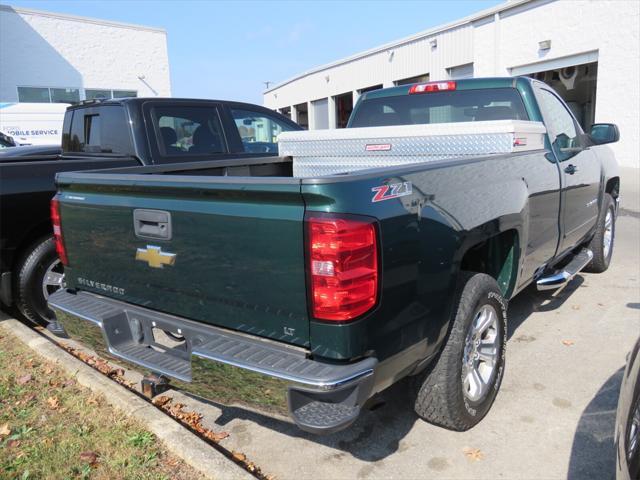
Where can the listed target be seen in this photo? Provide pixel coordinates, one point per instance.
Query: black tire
(601, 258)
(439, 395)
(30, 298)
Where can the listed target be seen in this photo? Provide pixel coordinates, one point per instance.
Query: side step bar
(559, 278)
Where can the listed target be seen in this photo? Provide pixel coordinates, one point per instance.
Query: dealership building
(587, 50)
(52, 57)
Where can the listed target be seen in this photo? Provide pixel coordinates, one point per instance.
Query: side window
(92, 131)
(115, 133)
(101, 130)
(66, 131)
(186, 131)
(259, 131)
(560, 124)
(76, 137)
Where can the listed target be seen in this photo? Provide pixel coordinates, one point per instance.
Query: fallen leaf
(240, 457)
(5, 430)
(474, 454)
(568, 343)
(161, 401)
(13, 443)
(48, 370)
(215, 436)
(89, 457)
(24, 379)
(69, 383)
(93, 401)
(53, 402)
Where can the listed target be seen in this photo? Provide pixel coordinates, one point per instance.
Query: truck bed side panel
(424, 235)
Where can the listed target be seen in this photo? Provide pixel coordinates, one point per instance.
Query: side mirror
(602, 133)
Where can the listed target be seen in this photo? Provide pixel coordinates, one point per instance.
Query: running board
(562, 277)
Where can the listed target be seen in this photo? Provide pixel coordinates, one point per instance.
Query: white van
(33, 123)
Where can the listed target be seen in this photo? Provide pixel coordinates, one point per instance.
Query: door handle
(570, 169)
(152, 224)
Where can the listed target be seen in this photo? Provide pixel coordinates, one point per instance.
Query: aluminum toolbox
(327, 152)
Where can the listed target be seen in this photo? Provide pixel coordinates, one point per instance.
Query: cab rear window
(441, 107)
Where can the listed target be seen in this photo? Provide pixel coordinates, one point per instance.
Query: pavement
(553, 417)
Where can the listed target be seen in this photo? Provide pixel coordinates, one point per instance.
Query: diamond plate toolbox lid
(328, 152)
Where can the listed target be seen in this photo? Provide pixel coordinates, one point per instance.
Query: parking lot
(553, 418)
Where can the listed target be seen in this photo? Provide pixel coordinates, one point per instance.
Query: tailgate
(226, 254)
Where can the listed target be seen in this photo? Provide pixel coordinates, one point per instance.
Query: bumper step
(557, 279)
(117, 320)
(322, 397)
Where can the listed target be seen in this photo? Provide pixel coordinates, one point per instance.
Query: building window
(417, 79)
(461, 71)
(33, 95)
(286, 111)
(124, 93)
(102, 94)
(65, 95)
(48, 95)
(96, 94)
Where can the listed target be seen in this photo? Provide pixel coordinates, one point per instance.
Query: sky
(227, 49)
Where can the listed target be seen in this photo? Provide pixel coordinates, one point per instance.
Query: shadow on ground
(530, 301)
(593, 453)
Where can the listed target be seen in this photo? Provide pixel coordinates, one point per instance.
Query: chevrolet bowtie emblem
(155, 257)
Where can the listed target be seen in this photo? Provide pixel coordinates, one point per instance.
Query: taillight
(432, 87)
(343, 266)
(57, 231)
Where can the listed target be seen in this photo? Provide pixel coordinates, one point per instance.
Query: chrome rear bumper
(220, 364)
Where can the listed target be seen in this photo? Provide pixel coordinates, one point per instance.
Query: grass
(52, 428)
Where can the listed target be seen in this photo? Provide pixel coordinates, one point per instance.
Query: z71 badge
(393, 190)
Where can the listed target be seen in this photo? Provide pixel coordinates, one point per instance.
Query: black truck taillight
(342, 256)
(57, 231)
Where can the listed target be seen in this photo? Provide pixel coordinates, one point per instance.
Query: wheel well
(27, 241)
(498, 257)
(613, 186)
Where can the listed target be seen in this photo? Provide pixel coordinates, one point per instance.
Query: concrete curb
(175, 438)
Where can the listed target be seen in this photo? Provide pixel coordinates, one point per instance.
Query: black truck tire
(30, 297)
(606, 226)
(442, 396)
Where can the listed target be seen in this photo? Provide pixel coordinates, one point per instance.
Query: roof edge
(77, 18)
(509, 4)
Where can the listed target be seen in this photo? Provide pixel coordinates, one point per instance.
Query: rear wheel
(40, 275)
(603, 240)
(457, 391)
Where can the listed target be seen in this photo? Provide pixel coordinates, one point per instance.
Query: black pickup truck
(358, 257)
(110, 134)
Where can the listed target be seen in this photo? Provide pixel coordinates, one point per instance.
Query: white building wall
(497, 41)
(42, 49)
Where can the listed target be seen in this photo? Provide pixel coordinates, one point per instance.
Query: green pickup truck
(356, 258)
